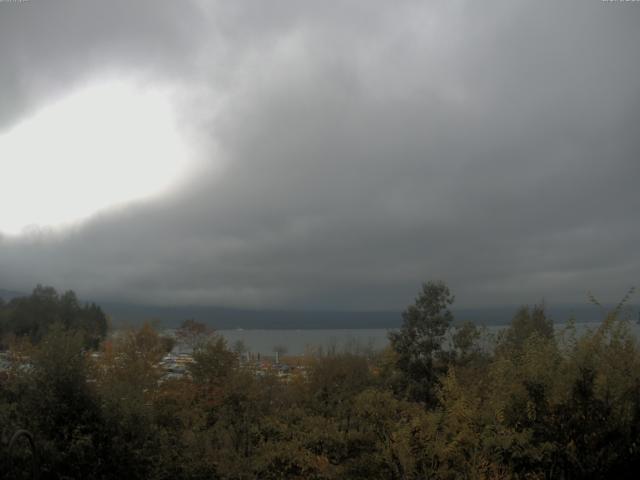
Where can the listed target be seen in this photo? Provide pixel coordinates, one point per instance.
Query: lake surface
(298, 342)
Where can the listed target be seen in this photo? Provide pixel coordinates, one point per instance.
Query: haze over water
(299, 342)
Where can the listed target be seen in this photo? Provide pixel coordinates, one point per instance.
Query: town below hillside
(442, 399)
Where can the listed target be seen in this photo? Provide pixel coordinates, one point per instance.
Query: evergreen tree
(418, 344)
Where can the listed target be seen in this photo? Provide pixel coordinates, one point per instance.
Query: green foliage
(526, 323)
(33, 316)
(543, 404)
(214, 362)
(335, 379)
(418, 344)
(191, 333)
(466, 348)
(55, 402)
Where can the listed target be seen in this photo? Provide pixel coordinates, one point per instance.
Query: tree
(240, 348)
(126, 379)
(334, 379)
(418, 344)
(191, 333)
(33, 316)
(213, 361)
(525, 323)
(466, 348)
(58, 404)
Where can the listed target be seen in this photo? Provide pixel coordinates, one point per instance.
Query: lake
(298, 342)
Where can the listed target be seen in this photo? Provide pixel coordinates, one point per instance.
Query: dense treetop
(445, 400)
(32, 316)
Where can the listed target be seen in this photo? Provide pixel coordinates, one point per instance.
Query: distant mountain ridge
(223, 318)
(227, 318)
(9, 294)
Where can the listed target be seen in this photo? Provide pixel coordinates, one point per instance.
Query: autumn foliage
(445, 400)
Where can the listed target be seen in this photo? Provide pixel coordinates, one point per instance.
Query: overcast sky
(351, 150)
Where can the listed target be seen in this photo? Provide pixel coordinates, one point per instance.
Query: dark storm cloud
(47, 47)
(360, 148)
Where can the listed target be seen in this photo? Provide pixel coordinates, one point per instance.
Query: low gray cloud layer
(360, 148)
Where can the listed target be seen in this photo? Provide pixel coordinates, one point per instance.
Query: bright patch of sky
(100, 147)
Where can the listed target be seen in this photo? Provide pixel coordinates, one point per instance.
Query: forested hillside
(32, 316)
(442, 401)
